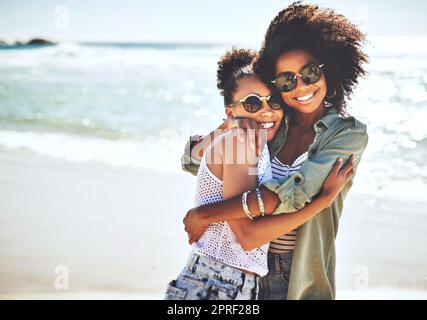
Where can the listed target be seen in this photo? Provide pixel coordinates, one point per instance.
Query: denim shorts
(206, 279)
(274, 286)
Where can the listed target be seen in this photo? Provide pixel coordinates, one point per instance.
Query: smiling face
(266, 117)
(305, 98)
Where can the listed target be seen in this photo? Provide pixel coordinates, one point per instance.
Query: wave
(77, 126)
(159, 153)
(162, 153)
(91, 55)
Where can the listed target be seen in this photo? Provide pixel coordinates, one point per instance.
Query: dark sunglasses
(253, 103)
(287, 81)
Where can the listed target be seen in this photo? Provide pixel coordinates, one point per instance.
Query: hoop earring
(327, 104)
(331, 96)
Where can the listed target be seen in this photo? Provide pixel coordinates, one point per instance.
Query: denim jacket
(313, 265)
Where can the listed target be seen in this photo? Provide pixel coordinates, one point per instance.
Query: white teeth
(305, 98)
(267, 125)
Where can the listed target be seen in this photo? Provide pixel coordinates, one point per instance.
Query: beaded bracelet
(260, 202)
(245, 205)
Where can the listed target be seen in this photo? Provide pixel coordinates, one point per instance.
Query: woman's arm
(197, 219)
(194, 150)
(240, 165)
(343, 137)
(291, 193)
(197, 145)
(252, 234)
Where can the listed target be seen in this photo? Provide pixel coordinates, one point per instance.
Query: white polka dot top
(219, 242)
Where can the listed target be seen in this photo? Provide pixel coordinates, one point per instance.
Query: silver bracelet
(245, 205)
(260, 202)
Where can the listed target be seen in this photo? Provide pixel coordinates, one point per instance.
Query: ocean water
(136, 104)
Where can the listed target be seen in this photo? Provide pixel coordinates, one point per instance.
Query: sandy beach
(118, 231)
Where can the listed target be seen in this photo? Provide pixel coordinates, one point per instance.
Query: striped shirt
(285, 243)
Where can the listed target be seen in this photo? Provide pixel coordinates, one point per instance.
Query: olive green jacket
(313, 265)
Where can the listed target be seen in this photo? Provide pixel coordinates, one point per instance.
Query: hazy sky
(188, 20)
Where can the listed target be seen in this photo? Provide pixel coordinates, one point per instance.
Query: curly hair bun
(232, 64)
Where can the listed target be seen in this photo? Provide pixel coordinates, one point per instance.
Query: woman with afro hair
(313, 58)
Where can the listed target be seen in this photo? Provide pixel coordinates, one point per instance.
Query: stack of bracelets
(248, 213)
